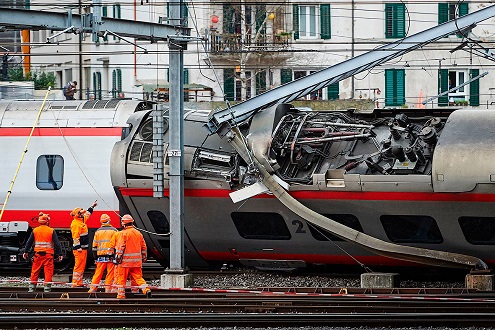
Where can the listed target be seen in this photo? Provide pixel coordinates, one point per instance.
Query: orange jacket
(45, 239)
(131, 247)
(103, 242)
(80, 237)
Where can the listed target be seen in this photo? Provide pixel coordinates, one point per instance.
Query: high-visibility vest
(43, 241)
(80, 236)
(132, 247)
(102, 241)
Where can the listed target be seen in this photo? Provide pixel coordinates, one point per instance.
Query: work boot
(31, 288)
(148, 294)
(48, 288)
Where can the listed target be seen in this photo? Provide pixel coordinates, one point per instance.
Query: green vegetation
(42, 80)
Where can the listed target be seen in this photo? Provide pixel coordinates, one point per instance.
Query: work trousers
(100, 269)
(80, 259)
(136, 274)
(46, 262)
(133, 284)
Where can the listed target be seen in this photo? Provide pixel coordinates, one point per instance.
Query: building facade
(244, 49)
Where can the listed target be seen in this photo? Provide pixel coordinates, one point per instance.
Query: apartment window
(395, 87)
(478, 230)
(311, 22)
(316, 95)
(261, 225)
(448, 79)
(448, 11)
(395, 20)
(411, 229)
(49, 172)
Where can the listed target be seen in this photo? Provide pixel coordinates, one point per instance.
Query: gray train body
(418, 179)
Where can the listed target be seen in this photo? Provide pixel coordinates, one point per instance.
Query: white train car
(67, 165)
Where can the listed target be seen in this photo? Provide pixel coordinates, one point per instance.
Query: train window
(50, 172)
(159, 221)
(411, 229)
(261, 225)
(348, 220)
(478, 230)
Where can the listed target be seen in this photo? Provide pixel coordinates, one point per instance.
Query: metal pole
(176, 143)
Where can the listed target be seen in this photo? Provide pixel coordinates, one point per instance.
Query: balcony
(228, 45)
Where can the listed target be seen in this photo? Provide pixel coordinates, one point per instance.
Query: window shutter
(333, 91)
(119, 80)
(185, 15)
(97, 85)
(443, 82)
(474, 89)
(325, 26)
(295, 21)
(395, 87)
(400, 21)
(401, 87)
(260, 18)
(260, 82)
(104, 11)
(228, 19)
(229, 84)
(114, 84)
(463, 8)
(389, 87)
(285, 76)
(443, 12)
(186, 76)
(395, 20)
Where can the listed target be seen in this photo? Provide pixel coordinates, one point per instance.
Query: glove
(25, 255)
(118, 258)
(79, 250)
(59, 258)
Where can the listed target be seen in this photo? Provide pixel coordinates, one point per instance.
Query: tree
(42, 80)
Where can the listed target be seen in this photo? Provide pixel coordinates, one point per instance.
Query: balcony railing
(221, 43)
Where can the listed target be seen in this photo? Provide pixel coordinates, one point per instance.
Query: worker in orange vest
(134, 288)
(46, 245)
(130, 253)
(80, 242)
(103, 253)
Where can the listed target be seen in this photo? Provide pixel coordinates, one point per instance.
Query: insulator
(436, 123)
(421, 157)
(351, 165)
(401, 119)
(429, 135)
(398, 152)
(410, 154)
(395, 133)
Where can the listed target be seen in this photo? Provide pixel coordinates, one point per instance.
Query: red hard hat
(127, 219)
(105, 219)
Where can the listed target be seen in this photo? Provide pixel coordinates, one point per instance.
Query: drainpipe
(352, 46)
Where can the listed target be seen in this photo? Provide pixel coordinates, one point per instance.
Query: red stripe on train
(378, 196)
(58, 218)
(63, 131)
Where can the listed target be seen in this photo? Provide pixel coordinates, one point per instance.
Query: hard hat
(127, 219)
(104, 219)
(77, 212)
(43, 219)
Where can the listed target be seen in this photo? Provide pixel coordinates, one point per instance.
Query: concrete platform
(168, 281)
(480, 282)
(380, 280)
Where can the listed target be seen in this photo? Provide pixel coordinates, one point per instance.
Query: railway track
(69, 307)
